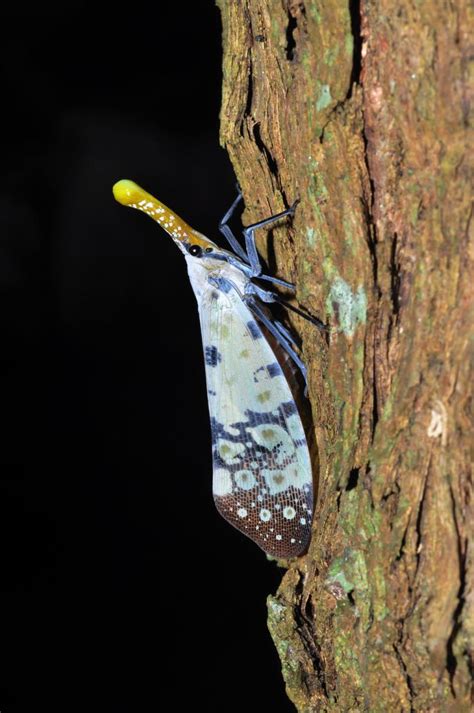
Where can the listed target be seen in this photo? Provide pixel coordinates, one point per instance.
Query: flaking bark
(362, 113)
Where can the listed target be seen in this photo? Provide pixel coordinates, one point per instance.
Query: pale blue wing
(262, 480)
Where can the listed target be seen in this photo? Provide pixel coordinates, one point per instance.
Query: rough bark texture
(362, 113)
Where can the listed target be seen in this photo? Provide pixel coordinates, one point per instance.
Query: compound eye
(195, 250)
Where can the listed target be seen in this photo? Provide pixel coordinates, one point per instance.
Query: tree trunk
(361, 112)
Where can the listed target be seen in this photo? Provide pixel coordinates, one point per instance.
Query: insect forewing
(262, 481)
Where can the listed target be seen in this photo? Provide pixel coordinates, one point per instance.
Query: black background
(122, 589)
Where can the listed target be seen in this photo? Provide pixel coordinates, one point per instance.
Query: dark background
(113, 555)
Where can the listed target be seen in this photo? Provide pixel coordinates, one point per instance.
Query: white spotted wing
(262, 481)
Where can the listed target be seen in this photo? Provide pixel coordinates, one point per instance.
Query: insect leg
(249, 234)
(277, 281)
(286, 333)
(265, 295)
(279, 336)
(268, 296)
(227, 232)
(314, 320)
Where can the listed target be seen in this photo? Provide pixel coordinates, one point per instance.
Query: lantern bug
(262, 479)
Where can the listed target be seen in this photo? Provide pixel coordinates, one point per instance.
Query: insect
(262, 479)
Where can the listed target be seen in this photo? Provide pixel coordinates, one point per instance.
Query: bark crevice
(355, 15)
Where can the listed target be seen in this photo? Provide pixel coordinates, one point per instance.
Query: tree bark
(361, 112)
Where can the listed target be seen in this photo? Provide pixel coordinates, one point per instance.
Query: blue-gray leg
(267, 296)
(277, 281)
(286, 333)
(280, 335)
(252, 256)
(227, 232)
(249, 234)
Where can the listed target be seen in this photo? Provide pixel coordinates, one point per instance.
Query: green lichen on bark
(364, 118)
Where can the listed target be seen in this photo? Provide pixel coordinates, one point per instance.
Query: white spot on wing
(229, 451)
(222, 482)
(297, 475)
(274, 437)
(276, 480)
(245, 479)
(265, 515)
(295, 429)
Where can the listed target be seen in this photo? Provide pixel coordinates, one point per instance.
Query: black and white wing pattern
(262, 480)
